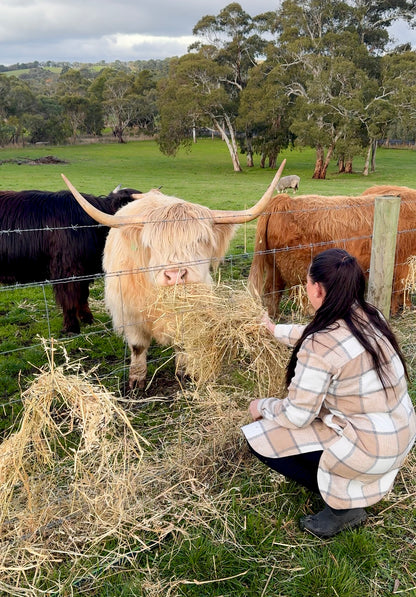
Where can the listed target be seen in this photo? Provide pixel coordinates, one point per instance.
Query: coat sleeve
(288, 334)
(306, 393)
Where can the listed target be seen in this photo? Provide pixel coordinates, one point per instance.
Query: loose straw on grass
(83, 493)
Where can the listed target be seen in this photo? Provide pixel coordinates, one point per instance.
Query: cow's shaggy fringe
(217, 330)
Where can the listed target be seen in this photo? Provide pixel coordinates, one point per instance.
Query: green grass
(254, 549)
(203, 175)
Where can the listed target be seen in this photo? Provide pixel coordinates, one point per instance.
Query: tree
(121, 104)
(232, 41)
(399, 77)
(372, 18)
(72, 91)
(48, 122)
(264, 114)
(193, 96)
(17, 99)
(325, 65)
(230, 37)
(75, 109)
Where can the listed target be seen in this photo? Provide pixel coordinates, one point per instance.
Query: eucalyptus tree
(144, 87)
(399, 76)
(372, 19)
(329, 52)
(118, 92)
(48, 122)
(16, 100)
(72, 94)
(192, 96)
(204, 87)
(264, 114)
(234, 43)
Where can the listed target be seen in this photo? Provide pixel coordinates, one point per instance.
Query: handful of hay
(217, 330)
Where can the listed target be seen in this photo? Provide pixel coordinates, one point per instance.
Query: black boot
(329, 522)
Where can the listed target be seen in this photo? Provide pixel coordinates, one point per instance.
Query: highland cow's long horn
(100, 216)
(239, 217)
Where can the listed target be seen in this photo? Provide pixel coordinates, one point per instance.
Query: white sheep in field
(288, 182)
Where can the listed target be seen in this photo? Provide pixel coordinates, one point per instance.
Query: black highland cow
(47, 236)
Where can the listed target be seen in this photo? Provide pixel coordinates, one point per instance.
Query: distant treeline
(138, 65)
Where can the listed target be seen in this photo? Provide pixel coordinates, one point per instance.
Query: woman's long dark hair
(344, 283)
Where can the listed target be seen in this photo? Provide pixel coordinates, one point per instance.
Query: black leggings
(302, 468)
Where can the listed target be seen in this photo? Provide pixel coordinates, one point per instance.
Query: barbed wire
(323, 208)
(103, 329)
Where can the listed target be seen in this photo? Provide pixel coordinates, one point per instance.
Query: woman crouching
(347, 423)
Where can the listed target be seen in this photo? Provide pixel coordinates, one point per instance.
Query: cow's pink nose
(175, 276)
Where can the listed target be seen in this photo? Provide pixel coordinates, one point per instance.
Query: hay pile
(67, 478)
(83, 493)
(216, 331)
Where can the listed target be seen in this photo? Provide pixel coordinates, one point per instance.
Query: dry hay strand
(298, 303)
(216, 330)
(409, 283)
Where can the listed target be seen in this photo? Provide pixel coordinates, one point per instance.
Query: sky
(96, 30)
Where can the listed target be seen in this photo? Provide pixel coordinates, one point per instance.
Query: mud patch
(47, 159)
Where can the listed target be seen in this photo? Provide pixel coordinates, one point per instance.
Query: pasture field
(228, 526)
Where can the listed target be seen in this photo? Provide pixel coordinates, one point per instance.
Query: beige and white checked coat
(336, 403)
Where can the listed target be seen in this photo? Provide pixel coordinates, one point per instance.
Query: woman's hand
(255, 415)
(267, 322)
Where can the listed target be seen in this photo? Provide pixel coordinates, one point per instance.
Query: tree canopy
(319, 73)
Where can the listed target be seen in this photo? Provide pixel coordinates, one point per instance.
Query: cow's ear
(223, 233)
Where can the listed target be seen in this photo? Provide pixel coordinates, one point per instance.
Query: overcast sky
(95, 30)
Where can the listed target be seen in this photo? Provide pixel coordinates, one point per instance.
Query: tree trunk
(373, 155)
(250, 161)
(341, 165)
(118, 133)
(348, 166)
(231, 144)
(319, 162)
(262, 160)
(272, 160)
(322, 162)
(328, 158)
(367, 161)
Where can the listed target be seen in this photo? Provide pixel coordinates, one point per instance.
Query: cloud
(94, 30)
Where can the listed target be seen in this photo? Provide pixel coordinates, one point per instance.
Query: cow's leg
(65, 295)
(84, 312)
(138, 366)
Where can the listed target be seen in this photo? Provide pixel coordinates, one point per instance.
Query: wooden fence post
(383, 249)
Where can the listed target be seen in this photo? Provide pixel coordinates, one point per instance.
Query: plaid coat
(336, 403)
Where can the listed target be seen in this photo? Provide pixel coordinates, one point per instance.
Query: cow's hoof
(73, 331)
(86, 318)
(137, 384)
